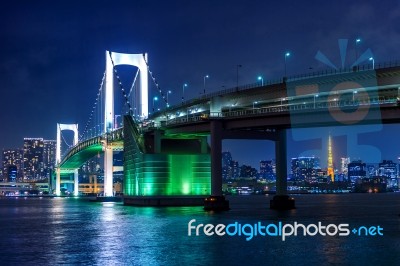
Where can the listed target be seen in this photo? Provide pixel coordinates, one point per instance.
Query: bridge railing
(242, 88)
(394, 63)
(78, 147)
(103, 138)
(322, 73)
(329, 72)
(288, 107)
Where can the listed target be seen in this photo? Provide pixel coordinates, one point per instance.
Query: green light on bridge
(170, 175)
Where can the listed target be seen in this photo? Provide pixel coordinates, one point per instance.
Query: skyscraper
(267, 169)
(33, 158)
(246, 171)
(343, 165)
(357, 170)
(49, 157)
(12, 164)
(330, 170)
(305, 168)
(226, 164)
(372, 170)
(388, 169)
(12, 173)
(234, 169)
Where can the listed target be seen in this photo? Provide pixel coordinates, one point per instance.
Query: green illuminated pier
(159, 171)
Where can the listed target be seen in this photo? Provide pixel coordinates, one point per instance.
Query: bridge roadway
(90, 147)
(356, 98)
(352, 92)
(265, 112)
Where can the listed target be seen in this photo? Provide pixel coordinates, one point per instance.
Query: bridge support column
(216, 202)
(281, 200)
(157, 141)
(204, 145)
(76, 184)
(108, 172)
(58, 181)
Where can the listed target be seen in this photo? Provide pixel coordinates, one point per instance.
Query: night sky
(53, 58)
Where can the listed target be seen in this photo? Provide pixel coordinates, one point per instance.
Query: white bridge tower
(61, 127)
(138, 60)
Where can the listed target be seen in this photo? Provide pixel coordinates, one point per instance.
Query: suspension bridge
(167, 157)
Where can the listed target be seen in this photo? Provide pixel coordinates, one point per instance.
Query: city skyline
(250, 152)
(54, 52)
(33, 161)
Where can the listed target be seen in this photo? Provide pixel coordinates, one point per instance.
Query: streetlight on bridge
(155, 98)
(204, 87)
(287, 54)
(262, 80)
(183, 91)
(358, 40)
(168, 93)
(373, 62)
(354, 94)
(315, 96)
(254, 104)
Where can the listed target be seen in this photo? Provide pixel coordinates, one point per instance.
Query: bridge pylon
(61, 127)
(113, 59)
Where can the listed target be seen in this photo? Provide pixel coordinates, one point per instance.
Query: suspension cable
(133, 88)
(155, 81)
(62, 136)
(133, 83)
(120, 85)
(94, 107)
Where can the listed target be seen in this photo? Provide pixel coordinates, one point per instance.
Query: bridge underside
(81, 157)
(171, 170)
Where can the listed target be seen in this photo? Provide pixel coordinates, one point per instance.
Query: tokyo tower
(330, 160)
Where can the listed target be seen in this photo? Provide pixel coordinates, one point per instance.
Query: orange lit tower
(330, 160)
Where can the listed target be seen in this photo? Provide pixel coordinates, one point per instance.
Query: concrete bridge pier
(58, 181)
(76, 183)
(217, 201)
(108, 171)
(281, 200)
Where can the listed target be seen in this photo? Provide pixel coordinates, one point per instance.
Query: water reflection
(72, 231)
